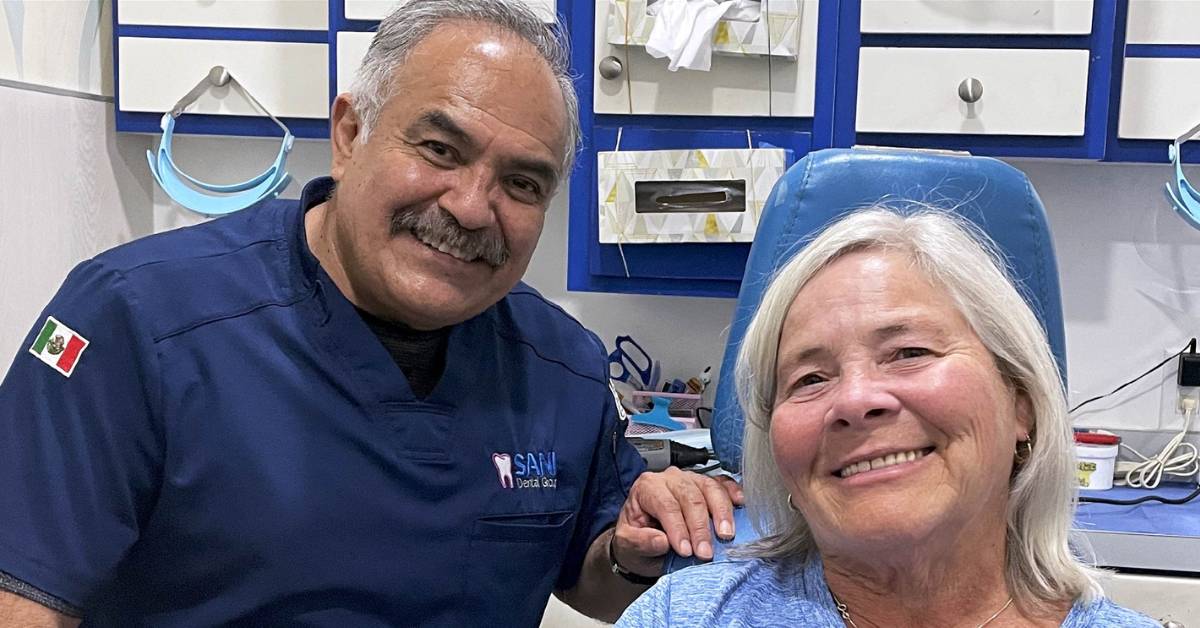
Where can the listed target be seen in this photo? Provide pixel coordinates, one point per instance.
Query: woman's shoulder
(728, 576)
(752, 592)
(1104, 613)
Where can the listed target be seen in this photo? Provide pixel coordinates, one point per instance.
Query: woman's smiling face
(891, 421)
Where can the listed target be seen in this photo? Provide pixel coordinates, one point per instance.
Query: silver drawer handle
(970, 90)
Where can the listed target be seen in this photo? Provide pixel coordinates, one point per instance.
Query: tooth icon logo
(503, 463)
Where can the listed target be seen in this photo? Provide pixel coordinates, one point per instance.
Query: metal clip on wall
(208, 198)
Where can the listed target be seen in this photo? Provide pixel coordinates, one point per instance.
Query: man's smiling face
(437, 214)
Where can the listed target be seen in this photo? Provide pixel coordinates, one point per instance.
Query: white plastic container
(1095, 465)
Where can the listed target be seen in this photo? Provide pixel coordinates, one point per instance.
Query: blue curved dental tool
(213, 199)
(1184, 197)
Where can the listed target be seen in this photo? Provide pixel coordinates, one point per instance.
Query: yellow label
(722, 37)
(1083, 473)
(1083, 478)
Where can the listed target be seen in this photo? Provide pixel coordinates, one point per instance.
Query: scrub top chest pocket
(521, 554)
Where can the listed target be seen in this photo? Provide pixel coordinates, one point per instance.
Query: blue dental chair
(827, 184)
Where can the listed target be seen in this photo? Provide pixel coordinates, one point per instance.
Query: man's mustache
(437, 227)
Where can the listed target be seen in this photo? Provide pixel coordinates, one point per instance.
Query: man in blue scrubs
(347, 410)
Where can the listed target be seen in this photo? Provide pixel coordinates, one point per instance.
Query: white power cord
(1177, 458)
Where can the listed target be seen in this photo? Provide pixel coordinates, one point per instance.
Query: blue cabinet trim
(1101, 66)
(1163, 50)
(991, 145)
(702, 123)
(907, 40)
(235, 34)
(207, 124)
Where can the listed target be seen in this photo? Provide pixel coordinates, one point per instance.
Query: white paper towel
(683, 31)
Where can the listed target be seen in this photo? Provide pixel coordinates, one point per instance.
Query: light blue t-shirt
(760, 593)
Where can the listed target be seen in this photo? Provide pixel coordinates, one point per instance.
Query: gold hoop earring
(1023, 452)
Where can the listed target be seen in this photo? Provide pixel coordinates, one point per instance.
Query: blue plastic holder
(213, 199)
(658, 416)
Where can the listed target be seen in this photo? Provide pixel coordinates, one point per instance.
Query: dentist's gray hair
(412, 21)
(956, 256)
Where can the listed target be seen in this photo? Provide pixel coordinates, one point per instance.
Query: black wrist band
(629, 576)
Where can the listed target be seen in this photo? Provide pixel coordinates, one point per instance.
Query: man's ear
(343, 135)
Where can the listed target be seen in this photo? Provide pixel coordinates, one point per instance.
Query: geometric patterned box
(698, 195)
(629, 24)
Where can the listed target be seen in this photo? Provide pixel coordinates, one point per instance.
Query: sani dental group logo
(531, 469)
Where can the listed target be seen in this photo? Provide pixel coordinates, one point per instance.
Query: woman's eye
(809, 380)
(911, 352)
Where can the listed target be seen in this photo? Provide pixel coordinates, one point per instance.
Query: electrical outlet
(1170, 412)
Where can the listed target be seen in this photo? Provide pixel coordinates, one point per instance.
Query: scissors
(629, 363)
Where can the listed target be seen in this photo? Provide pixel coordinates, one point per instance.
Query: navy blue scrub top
(235, 446)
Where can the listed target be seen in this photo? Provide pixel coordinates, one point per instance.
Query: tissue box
(673, 196)
(629, 24)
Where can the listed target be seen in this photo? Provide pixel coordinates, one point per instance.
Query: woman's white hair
(962, 260)
(412, 21)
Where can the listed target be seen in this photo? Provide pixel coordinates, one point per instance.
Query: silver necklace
(845, 612)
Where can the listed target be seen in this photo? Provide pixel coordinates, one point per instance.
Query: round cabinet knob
(218, 75)
(970, 90)
(610, 68)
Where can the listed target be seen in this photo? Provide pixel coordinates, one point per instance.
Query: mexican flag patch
(59, 346)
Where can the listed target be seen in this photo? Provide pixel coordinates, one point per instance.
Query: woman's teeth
(881, 462)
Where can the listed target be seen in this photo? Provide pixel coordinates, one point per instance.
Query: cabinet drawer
(289, 79)
(351, 48)
(378, 9)
(1163, 22)
(993, 17)
(1024, 92)
(1160, 98)
(281, 14)
(737, 85)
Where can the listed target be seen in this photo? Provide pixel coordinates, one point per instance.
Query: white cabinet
(378, 9)
(351, 48)
(991, 17)
(1163, 22)
(737, 84)
(1019, 92)
(1160, 98)
(1164, 598)
(289, 79)
(281, 14)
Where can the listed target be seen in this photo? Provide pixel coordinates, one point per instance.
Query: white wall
(1130, 272)
(72, 186)
(57, 43)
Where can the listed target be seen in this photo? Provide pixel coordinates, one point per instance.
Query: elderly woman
(907, 450)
